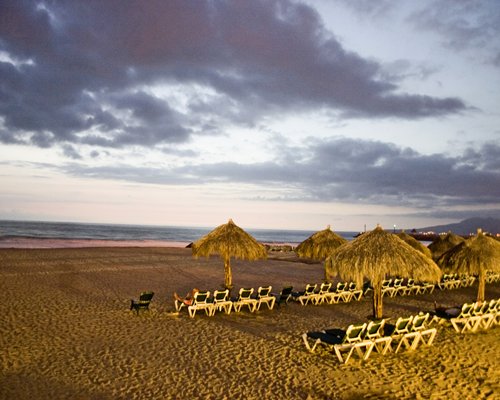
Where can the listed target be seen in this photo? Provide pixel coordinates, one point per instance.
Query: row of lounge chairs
(398, 286)
(492, 277)
(470, 317)
(220, 301)
(328, 293)
(252, 300)
(407, 333)
(455, 281)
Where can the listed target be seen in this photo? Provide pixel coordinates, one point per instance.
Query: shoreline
(56, 243)
(52, 243)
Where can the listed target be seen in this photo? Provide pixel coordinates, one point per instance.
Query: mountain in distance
(467, 226)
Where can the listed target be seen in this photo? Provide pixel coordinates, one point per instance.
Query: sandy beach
(67, 333)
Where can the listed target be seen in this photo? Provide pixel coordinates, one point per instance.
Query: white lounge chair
(321, 295)
(221, 301)
(201, 301)
(305, 296)
(264, 296)
(245, 300)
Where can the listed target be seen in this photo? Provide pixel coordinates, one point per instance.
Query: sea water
(87, 231)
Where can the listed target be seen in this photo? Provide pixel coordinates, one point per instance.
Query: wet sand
(67, 333)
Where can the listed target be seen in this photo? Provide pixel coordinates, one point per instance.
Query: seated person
(447, 312)
(188, 299)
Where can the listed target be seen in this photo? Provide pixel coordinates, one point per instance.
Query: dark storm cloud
(345, 170)
(371, 172)
(76, 71)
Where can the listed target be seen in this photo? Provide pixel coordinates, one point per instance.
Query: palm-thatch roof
(414, 243)
(473, 256)
(320, 245)
(229, 240)
(444, 243)
(376, 255)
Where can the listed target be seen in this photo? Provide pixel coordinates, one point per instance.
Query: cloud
(463, 25)
(370, 8)
(71, 152)
(457, 214)
(342, 170)
(94, 69)
(372, 172)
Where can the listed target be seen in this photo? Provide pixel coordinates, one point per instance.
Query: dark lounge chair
(284, 296)
(143, 302)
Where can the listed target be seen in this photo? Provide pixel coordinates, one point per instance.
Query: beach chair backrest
(403, 325)
(325, 287)
(245, 293)
(201, 297)
(410, 282)
(493, 306)
(354, 333)
(374, 329)
(352, 286)
(419, 321)
(286, 291)
(397, 282)
(341, 286)
(264, 291)
(386, 283)
(146, 296)
(466, 310)
(310, 288)
(221, 295)
(480, 308)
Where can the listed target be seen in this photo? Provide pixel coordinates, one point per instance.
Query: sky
(276, 113)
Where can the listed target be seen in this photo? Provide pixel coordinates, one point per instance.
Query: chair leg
(308, 346)
(273, 301)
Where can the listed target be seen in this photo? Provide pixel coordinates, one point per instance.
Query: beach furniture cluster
(471, 317)
(252, 300)
(404, 287)
(220, 301)
(406, 334)
(455, 281)
(492, 277)
(393, 287)
(328, 293)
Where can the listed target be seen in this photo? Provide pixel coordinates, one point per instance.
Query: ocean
(118, 232)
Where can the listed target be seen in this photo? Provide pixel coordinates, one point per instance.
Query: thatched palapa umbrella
(414, 243)
(229, 240)
(376, 255)
(320, 245)
(473, 256)
(444, 243)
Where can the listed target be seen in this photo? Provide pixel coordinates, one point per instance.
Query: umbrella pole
(482, 285)
(228, 277)
(377, 300)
